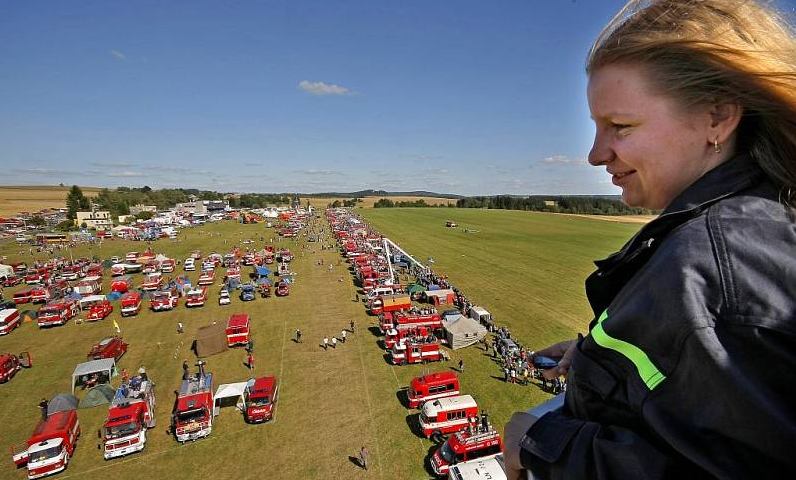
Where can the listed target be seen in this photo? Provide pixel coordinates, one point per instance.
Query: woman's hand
(562, 351)
(519, 423)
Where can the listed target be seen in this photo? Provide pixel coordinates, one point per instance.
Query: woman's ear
(725, 118)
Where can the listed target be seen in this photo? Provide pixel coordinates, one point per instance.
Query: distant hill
(382, 193)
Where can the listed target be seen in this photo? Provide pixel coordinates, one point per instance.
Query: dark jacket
(689, 369)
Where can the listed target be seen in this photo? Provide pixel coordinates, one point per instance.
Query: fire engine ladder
(388, 246)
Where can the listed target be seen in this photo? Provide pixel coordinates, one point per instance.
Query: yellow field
(17, 199)
(367, 202)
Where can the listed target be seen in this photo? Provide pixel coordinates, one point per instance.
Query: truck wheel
(436, 436)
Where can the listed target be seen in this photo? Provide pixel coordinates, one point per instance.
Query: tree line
(561, 204)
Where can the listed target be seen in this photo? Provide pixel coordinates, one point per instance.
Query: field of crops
(527, 269)
(16, 199)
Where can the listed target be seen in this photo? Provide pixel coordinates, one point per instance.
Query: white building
(99, 220)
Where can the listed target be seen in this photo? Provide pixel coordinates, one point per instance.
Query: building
(99, 219)
(202, 207)
(136, 209)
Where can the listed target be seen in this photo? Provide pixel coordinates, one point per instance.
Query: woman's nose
(600, 153)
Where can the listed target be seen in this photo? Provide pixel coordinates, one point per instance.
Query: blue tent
(263, 280)
(434, 287)
(262, 271)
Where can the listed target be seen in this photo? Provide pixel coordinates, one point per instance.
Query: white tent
(6, 270)
(461, 331)
(103, 366)
(228, 393)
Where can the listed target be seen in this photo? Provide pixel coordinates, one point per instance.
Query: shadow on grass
(427, 460)
(375, 331)
(413, 422)
(402, 394)
(355, 460)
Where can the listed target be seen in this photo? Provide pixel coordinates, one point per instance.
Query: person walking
(334, 342)
(351, 323)
(180, 328)
(342, 335)
(43, 406)
(250, 345)
(363, 457)
(325, 343)
(461, 366)
(185, 373)
(142, 374)
(250, 361)
(298, 335)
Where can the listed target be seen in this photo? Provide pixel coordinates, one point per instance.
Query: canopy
(62, 403)
(229, 394)
(461, 331)
(262, 271)
(104, 367)
(160, 257)
(415, 288)
(99, 395)
(263, 280)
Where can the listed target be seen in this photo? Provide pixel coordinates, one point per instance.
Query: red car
(282, 289)
(12, 280)
(111, 347)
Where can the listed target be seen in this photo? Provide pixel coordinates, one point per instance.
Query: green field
(528, 269)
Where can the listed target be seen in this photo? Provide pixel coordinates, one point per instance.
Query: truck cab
(110, 347)
(164, 300)
(57, 312)
(207, 277)
(259, 399)
(193, 409)
(431, 387)
(238, 329)
(130, 303)
(97, 306)
(152, 281)
(196, 297)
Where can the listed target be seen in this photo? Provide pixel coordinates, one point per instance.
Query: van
(448, 415)
(432, 387)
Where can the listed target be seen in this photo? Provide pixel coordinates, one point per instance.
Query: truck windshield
(260, 401)
(45, 454)
(45, 312)
(160, 296)
(447, 453)
(121, 430)
(194, 415)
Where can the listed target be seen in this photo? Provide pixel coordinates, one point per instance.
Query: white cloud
(318, 172)
(111, 164)
(122, 174)
(563, 159)
(321, 88)
(119, 55)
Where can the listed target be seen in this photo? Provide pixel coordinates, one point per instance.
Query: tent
(229, 394)
(28, 315)
(210, 340)
(461, 331)
(99, 395)
(6, 270)
(440, 297)
(104, 368)
(415, 288)
(262, 271)
(62, 403)
(263, 280)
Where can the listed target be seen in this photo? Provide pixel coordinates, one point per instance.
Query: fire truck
(97, 306)
(152, 282)
(10, 364)
(117, 269)
(238, 329)
(196, 297)
(448, 415)
(390, 303)
(57, 312)
(36, 275)
(129, 417)
(400, 333)
(167, 266)
(110, 347)
(480, 468)
(130, 303)
(43, 294)
(207, 277)
(9, 320)
(233, 272)
(285, 255)
(416, 350)
(259, 399)
(193, 409)
(13, 280)
(50, 446)
(468, 444)
(152, 266)
(89, 286)
(122, 284)
(282, 289)
(22, 296)
(164, 299)
(432, 386)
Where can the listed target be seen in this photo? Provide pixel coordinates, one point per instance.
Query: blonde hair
(707, 52)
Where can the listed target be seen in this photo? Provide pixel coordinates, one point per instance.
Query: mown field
(367, 202)
(16, 199)
(526, 268)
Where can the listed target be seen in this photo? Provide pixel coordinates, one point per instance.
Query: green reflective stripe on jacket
(648, 372)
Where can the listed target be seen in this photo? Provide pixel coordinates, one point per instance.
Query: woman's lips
(619, 178)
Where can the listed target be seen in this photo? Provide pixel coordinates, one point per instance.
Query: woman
(689, 369)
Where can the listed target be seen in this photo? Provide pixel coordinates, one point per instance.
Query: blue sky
(467, 97)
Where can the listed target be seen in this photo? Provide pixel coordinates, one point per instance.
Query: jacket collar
(729, 178)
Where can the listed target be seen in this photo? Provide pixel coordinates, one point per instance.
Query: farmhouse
(99, 219)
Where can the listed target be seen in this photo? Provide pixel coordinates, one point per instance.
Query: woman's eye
(621, 128)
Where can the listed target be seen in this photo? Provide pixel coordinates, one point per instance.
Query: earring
(716, 145)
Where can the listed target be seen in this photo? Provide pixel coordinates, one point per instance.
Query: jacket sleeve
(726, 411)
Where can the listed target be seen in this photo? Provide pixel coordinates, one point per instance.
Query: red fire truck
(448, 415)
(152, 282)
(167, 266)
(238, 329)
(164, 299)
(152, 266)
(10, 364)
(193, 409)
(57, 312)
(110, 347)
(50, 446)
(207, 277)
(97, 306)
(282, 289)
(130, 303)
(122, 284)
(117, 269)
(416, 350)
(402, 332)
(9, 320)
(13, 280)
(22, 296)
(36, 275)
(468, 444)
(43, 294)
(129, 417)
(89, 286)
(431, 387)
(131, 257)
(259, 399)
(196, 297)
(390, 303)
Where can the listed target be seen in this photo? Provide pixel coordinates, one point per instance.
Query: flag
(116, 326)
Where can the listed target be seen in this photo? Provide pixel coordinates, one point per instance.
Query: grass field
(526, 268)
(367, 202)
(17, 199)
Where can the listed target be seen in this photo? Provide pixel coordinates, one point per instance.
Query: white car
(223, 297)
(190, 264)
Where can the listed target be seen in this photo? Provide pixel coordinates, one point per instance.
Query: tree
(145, 215)
(75, 201)
(36, 221)
(65, 226)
